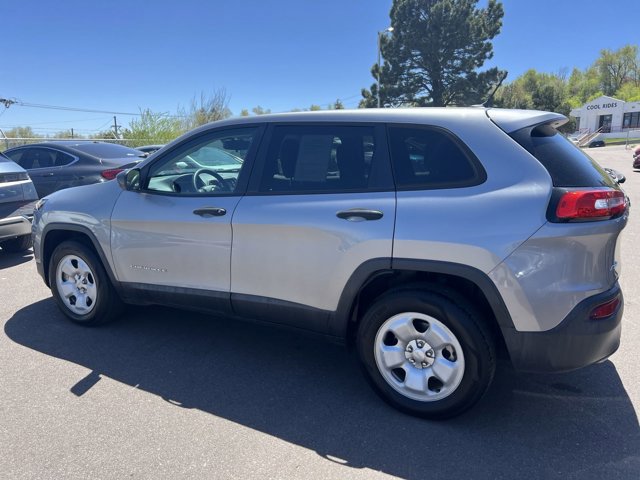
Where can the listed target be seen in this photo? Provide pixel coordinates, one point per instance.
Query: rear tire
(426, 351)
(81, 287)
(15, 245)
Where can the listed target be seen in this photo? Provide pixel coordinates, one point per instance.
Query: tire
(426, 351)
(81, 287)
(18, 244)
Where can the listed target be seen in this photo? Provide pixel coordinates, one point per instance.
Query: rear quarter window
(430, 157)
(567, 165)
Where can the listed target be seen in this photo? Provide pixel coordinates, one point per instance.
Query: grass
(620, 141)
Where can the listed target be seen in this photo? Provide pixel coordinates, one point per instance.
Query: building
(610, 115)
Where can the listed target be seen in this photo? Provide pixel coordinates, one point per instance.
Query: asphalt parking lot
(168, 394)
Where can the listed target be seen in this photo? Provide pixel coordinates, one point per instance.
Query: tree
(535, 90)
(617, 67)
(258, 110)
(207, 108)
(153, 127)
(629, 92)
(435, 50)
(104, 134)
(244, 112)
(338, 105)
(583, 86)
(66, 134)
(315, 108)
(21, 132)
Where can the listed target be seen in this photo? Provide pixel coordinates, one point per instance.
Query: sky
(123, 56)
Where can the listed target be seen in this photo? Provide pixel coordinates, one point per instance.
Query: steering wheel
(226, 186)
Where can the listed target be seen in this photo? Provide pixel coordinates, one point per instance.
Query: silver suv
(17, 201)
(430, 239)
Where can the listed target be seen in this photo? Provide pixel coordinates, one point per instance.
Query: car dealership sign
(602, 106)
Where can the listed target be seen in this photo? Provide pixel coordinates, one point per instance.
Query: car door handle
(210, 212)
(359, 214)
(47, 174)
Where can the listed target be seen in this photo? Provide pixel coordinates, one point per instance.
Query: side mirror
(129, 179)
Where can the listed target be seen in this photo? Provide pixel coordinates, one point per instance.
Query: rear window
(567, 164)
(107, 150)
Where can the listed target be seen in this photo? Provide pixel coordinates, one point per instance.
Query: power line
(8, 102)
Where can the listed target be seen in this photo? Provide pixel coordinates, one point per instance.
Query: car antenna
(489, 101)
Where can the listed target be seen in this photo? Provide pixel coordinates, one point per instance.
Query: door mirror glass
(129, 179)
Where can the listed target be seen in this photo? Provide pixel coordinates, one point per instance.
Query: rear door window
(322, 159)
(567, 165)
(429, 157)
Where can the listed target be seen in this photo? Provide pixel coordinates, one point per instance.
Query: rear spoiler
(512, 120)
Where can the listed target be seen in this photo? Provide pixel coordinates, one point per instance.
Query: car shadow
(309, 392)
(14, 259)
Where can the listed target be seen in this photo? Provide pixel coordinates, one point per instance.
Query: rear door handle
(359, 214)
(47, 174)
(210, 212)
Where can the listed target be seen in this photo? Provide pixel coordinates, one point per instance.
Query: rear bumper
(15, 219)
(576, 342)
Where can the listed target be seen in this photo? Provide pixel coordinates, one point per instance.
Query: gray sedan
(62, 164)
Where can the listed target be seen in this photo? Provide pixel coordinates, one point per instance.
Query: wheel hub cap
(419, 353)
(76, 284)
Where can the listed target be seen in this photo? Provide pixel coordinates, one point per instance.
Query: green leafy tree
(338, 105)
(153, 127)
(629, 92)
(315, 108)
(535, 90)
(433, 55)
(583, 86)
(244, 112)
(21, 132)
(617, 67)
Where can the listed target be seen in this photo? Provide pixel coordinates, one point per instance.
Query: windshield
(215, 157)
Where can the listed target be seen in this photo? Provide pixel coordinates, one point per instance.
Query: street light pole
(386, 30)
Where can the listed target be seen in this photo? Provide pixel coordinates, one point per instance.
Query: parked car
(17, 201)
(596, 143)
(636, 157)
(429, 255)
(56, 165)
(149, 149)
(616, 175)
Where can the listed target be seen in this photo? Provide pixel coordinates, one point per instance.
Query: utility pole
(115, 127)
(71, 132)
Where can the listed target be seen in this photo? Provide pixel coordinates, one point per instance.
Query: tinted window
(567, 164)
(107, 150)
(209, 166)
(61, 159)
(29, 158)
(318, 159)
(431, 158)
(4, 159)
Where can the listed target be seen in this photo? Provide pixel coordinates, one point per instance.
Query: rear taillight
(606, 309)
(111, 174)
(590, 204)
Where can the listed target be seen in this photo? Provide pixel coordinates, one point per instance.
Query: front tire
(16, 245)
(80, 285)
(426, 351)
